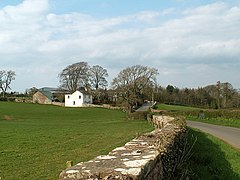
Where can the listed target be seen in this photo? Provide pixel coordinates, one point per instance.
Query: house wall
(74, 100)
(38, 97)
(87, 99)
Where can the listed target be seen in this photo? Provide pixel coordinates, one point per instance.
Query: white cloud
(215, 8)
(33, 38)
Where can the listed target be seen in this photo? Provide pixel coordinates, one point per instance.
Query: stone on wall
(161, 121)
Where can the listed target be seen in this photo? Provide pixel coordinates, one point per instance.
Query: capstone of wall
(106, 106)
(23, 99)
(151, 156)
(58, 104)
(161, 121)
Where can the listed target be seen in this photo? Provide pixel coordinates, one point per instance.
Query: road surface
(145, 107)
(228, 134)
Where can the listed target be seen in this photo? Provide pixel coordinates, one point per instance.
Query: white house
(77, 99)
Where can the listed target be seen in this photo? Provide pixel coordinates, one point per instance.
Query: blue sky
(191, 43)
(109, 8)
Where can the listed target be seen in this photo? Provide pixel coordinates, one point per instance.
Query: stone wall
(148, 157)
(58, 104)
(161, 121)
(106, 106)
(23, 99)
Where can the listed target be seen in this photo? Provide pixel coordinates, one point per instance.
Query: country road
(228, 134)
(145, 107)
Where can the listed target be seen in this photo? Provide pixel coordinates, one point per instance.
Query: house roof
(83, 90)
(50, 91)
(54, 90)
(48, 94)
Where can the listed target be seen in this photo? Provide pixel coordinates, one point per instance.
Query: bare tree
(31, 91)
(131, 82)
(75, 76)
(6, 77)
(98, 77)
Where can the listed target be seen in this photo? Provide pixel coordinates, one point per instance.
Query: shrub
(11, 99)
(138, 115)
(3, 99)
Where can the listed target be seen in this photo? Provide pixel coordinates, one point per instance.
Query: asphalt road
(228, 134)
(145, 107)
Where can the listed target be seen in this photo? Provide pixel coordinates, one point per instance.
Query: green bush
(138, 115)
(10, 99)
(3, 99)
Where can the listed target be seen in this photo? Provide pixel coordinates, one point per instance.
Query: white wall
(74, 100)
(77, 99)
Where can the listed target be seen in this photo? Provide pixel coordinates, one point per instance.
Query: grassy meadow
(212, 158)
(37, 140)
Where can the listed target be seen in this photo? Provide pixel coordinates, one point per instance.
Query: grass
(217, 121)
(218, 117)
(175, 107)
(212, 158)
(37, 140)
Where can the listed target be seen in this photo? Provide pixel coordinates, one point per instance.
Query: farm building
(42, 97)
(78, 99)
(48, 95)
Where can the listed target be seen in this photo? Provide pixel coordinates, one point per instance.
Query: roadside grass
(217, 121)
(226, 117)
(212, 158)
(37, 140)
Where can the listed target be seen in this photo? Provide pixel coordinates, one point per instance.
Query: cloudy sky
(191, 43)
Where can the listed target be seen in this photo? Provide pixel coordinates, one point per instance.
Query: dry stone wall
(151, 156)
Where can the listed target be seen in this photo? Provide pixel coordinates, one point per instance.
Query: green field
(37, 140)
(212, 158)
(175, 107)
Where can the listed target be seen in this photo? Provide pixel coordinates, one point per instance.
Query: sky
(191, 43)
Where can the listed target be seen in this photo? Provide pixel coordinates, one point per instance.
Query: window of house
(68, 97)
(74, 103)
(80, 97)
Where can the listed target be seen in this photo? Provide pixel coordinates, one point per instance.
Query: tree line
(137, 83)
(216, 96)
(133, 85)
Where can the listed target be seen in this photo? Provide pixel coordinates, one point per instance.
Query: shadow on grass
(208, 161)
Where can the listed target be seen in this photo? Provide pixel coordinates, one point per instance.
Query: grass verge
(212, 158)
(223, 117)
(217, 121)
